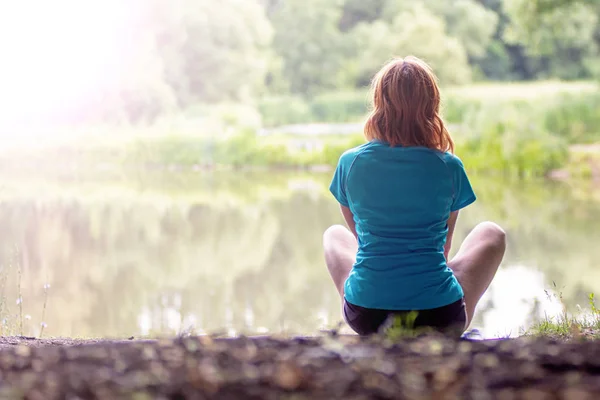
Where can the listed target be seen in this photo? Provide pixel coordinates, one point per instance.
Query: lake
(158, 252)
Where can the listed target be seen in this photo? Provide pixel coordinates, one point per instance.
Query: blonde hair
(406, 104)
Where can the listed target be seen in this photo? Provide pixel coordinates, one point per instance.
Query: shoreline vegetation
(544, 129)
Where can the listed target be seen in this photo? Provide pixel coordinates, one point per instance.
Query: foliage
(345, 106)
(413, 30)
(506, 149)
(402, 326)
(575, 118)
(499, 149)
(308, 40)
(284, 110)
(566, 33)
(468, 21)
(211, 53)
(513, 130)
(570, 113)
(339, 107)
(567, 326)
(180, 55)
(471, 23)
(543, 6)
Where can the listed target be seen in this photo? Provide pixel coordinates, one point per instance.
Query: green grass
(562, 327)
(566, 326)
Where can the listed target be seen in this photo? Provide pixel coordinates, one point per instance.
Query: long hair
(406, 106)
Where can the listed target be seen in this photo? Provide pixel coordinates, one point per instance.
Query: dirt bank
(299, 368)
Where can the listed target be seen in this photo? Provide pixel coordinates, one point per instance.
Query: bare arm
(451, 224)
(349, 219)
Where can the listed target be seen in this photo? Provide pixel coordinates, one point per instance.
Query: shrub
(339, 107)
(575, 118)
(284, 110)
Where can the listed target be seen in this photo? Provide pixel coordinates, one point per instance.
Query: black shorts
(449, 319)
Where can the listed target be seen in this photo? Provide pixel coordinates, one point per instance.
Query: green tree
(564, 39)
(213, 52)
(503, 61)
(310, 43)
(543, 6)
(466, 20)
(414, 30)
(471, 23)
(357, 11)
(186, 52)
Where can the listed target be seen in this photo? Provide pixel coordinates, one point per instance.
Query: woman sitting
(400, 194)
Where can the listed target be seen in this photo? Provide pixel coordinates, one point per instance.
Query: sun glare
(55, 53)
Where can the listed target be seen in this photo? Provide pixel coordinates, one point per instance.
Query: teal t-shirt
(401, 199)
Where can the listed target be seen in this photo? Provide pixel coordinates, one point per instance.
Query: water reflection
(161, 253)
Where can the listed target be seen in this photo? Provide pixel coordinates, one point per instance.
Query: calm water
(160, 253)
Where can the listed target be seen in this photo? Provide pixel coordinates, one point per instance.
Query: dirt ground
(325, 367)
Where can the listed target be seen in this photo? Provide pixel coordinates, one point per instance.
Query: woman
(400, 194)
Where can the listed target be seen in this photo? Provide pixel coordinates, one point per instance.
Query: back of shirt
(401, 199)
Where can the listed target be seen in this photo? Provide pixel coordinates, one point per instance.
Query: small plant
(566, 326)
(3, 300)
(17, 322)
(400, 326)
(595, 315)
(43, 324)
(20, 294)
(595, 311)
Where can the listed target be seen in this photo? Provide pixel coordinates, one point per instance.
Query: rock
(289, 376)
(301, 368)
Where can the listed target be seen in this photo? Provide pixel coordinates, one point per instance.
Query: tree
(471, 23)
(543, 6)
(357, 11)
(466, 20)
(182, 53)
(565, 39)
(213, 52)
(503, 61)
(414, 30)
(206, 53)
(310, 44)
